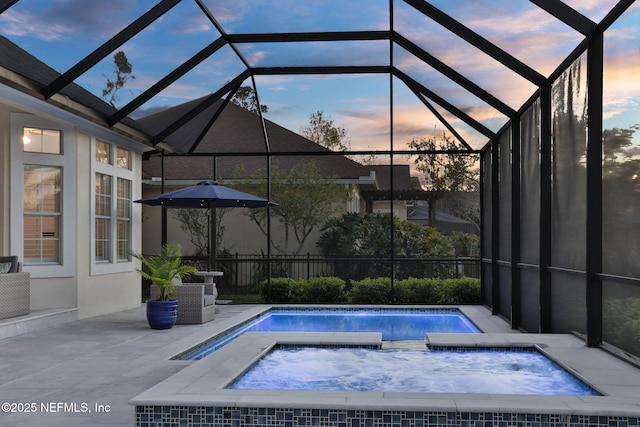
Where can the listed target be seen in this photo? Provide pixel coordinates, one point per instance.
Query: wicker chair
(15, 292)
(196, 302)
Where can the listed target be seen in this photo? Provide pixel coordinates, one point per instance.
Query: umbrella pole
(213, 240)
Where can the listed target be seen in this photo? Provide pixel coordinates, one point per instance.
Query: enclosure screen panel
(568, 309)
(530, 185)
(529, 297)
(568, 223)
(486, 203)
(621, 139)
(620, 308)
(505, 199)
(505, 291)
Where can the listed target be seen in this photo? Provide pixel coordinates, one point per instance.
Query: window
(123, 158)
(113, 206)
(103, 152)
(37, 140)
(103, 217)
(42, 214)
(43, 201)
(124, 219)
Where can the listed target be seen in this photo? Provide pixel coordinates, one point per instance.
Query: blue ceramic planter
(162, 314)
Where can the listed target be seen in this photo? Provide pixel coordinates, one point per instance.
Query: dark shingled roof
(237, 130)
(17, 60)
(401, 177)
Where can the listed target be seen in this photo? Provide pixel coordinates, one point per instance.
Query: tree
(195, 223)
(322, 131)
(368, 235)
(246, 98)
(124, 72)
(305, 200)
(448, 174)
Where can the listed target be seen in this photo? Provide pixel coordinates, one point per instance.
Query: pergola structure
(541, 89)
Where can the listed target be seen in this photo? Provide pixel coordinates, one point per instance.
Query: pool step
(407, 345)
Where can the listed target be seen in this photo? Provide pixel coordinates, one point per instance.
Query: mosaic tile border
(202, 416)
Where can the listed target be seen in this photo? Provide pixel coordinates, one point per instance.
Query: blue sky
(61, 32)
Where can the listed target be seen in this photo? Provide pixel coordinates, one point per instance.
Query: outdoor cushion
(209, 299)
(14, 265)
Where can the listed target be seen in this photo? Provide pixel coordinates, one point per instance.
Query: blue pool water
(423, 371)
(395, 324)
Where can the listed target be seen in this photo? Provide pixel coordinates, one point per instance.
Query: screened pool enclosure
(545, 93)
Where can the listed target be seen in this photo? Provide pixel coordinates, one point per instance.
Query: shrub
(331, 290)
(403, 292)
(465, 290)
(323, 290)
(621, 323)
(417, 291)
(370, 291)
(283, 290)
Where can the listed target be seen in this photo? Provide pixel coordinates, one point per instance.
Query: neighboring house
(236, 131)
(67, 184)
(378, 199)
(445, 222)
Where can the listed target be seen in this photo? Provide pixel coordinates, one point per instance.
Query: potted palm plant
(162, 269)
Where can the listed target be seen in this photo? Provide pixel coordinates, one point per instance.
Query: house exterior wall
(77, 281)
(102, 292)
(5, 164)
(399, 208)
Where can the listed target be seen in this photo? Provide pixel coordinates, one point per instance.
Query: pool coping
(202, 382)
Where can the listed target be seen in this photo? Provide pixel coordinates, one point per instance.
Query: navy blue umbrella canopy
(207, 194)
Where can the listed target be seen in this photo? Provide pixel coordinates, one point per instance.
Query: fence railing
(242, 273)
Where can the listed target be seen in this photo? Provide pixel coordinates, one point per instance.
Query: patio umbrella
(207, 195)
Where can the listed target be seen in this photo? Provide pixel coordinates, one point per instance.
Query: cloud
(64, 19)
(21, 24)
(192, 28)
(143, 112)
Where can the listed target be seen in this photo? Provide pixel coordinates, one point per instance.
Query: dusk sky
(62, 32)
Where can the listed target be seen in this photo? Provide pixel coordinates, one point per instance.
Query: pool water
(424, 371)
(394, 324)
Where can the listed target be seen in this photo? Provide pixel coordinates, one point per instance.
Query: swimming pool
(497, 371)
(202, 386)
(394, 324)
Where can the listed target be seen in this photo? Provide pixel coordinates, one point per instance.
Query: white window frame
(67, 161)
(113, 265)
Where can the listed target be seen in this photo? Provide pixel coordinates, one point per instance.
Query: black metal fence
(242, 273)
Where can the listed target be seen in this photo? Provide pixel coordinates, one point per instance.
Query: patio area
(86, 372)
(102, 361)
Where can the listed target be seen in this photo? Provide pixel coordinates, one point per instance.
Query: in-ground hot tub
(500, 370)
(198, 395)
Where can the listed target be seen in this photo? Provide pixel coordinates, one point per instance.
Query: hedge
(333, 290)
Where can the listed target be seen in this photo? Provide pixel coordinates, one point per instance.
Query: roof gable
(237, 132)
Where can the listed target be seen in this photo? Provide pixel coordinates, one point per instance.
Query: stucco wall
(92, 293)
(4, 179)
(399, 208)
(102, 293)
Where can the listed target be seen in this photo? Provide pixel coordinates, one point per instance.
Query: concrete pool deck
(107, 361)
